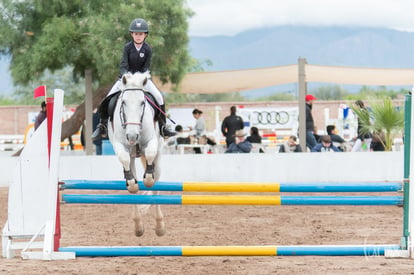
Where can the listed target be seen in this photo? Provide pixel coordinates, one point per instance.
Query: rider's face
(138, 37)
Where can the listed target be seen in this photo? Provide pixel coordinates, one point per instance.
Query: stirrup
(100, 132)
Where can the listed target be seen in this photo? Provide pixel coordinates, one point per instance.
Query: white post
(48, 252)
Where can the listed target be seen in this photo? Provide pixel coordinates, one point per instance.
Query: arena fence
(34, 206)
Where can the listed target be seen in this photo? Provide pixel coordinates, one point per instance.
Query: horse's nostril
(132, 138)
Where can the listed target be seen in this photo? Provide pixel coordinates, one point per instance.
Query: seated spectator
(254, 136)
(179, 138)
(325, 145)
(291, 146)
(240, 145)
(336, 139)
(256, 140)
(331, 130)
(377, 142)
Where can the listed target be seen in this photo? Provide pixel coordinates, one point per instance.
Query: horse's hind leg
(138, 222)
(159, 220)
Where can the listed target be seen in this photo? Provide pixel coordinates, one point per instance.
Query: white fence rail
(11, 142)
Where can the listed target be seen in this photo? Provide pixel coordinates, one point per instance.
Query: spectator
(363, 140)
(254, 136)
(230, 125)
(41, 116)
(331, 130)
(340, 142)
(98, 141)
(291, 146)
(256, 140)
(199, 129)
(377, 142)
(325, 145)
(310, 125)
(180, 138)
(240, 145)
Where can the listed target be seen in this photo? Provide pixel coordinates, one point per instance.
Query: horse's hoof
(139, 228)
(132, 187)
(160, 230)
(139, 233)
(148, 181)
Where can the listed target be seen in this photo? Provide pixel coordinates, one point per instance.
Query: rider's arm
(124, 67)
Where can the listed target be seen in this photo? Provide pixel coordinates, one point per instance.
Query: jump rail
(237, 186)
(306, 250)
(232, 200)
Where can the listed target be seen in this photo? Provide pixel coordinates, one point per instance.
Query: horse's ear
(124, 79)
(145, 81)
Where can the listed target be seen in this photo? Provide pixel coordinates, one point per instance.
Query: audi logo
(269, 117)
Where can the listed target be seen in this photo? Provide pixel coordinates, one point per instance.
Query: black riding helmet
(139, 25)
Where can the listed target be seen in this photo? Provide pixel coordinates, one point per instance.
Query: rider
(136, 57)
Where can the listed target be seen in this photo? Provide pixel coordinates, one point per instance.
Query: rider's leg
(101, 130)
(162, 120)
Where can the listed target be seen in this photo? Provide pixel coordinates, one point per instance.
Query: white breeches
(149, 87)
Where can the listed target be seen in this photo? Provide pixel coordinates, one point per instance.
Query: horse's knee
(124, 158)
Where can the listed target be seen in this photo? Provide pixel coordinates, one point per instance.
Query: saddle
(112, 99)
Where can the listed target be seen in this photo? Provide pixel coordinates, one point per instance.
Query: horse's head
(132, 104)
(134, 81)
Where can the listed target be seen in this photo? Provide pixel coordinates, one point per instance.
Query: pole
(301, 100)
(88, 112)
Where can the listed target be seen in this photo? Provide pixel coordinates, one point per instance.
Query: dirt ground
(223, 225)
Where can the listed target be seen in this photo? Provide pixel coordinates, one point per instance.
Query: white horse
(134, 128)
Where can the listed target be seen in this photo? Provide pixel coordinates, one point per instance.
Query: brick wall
(15, 118)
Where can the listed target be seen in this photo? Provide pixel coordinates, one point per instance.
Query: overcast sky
(229, 17)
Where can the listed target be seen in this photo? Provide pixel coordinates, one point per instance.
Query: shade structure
(250, 79)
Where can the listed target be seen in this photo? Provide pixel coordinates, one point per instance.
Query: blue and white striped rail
(238, 186)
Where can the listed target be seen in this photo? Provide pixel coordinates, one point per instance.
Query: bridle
(122, 114)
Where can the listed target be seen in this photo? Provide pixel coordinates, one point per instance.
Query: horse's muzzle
(132, 139)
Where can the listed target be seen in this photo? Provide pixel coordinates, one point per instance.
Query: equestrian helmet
(139, 25)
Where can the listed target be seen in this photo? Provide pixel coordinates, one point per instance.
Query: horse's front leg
(125, 158)
(150, 154)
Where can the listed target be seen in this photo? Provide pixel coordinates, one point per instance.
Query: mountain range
(365, 47)
(283, 45)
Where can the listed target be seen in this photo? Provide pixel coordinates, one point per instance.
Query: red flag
(40, 91)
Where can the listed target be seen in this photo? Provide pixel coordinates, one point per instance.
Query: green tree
(330, 92)
(52, 35)
(383, 119)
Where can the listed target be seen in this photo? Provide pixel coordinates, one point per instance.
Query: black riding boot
(162, 122)
(101, 130)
